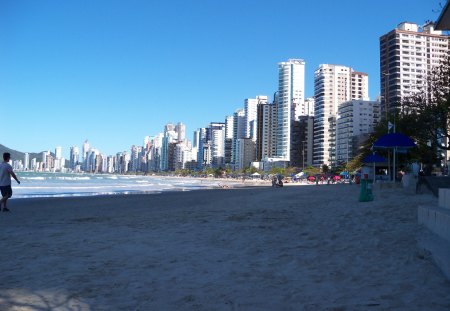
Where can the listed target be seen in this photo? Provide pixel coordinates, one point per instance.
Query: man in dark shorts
(6, 172)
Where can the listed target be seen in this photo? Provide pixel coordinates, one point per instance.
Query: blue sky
(115, 71)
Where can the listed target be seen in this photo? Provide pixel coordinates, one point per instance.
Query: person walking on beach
(6, 172)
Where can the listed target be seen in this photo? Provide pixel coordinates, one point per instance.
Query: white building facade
(291, 96)
(355, 121)
(333, 85)
(407, 54)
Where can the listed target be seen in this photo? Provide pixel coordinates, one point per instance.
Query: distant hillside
(17, 155)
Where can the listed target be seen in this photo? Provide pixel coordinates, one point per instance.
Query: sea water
(35, 185)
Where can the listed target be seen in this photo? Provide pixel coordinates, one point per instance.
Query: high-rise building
(122, 161)
(239, 128)
(33, 164)
(58, 152)
(135, 158)
(251, 112)
(333, 85)
(356, 119)
(85, 150)
(407, 55)
(44, 158)
(302, 141)
(169, 127)
(217, 133)
(180, 128)
(308, 107)
(246, 153)
(291, 96)
(74, 157)
(202, 159)
(196, 138)
(26, 161)
(167, 150)
(228, 139)
(154, 156)
(266, 131)
(229, 127)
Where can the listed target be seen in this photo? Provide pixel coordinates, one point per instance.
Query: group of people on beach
(6, 172)
(277, 181)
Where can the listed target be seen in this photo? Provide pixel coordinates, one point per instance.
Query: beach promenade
(291, 248)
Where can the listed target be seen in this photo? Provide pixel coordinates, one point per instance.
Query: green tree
(278, 171)
(425, 115)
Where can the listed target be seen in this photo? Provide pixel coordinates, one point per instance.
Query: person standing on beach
(6, 172)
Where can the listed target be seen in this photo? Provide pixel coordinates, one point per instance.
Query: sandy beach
(261, 248)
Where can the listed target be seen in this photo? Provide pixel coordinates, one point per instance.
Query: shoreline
(130, 185)
(250, 248)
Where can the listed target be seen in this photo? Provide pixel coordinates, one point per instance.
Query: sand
(291, 248)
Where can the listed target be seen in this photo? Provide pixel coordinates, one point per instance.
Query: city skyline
(115, 73)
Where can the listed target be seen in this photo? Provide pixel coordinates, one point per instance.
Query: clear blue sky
(115, 71)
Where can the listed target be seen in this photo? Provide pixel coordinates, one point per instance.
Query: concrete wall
(437, 219)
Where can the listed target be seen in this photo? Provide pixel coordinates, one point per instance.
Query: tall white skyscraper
(291, 95)
(217, 133)
(333, 85)
(229, 127)
(85, 150)
(26, 161)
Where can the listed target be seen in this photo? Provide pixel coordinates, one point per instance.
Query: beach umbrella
(373, 158)
(394, 141)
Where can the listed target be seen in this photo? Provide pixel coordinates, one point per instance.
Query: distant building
(229, 127)
(251, 113)
(239, 130)
(228, 139)
(291, 97)
(74, 157)
(308, 108)
(85, 150)
(246, 151)
(26, 161)
(333, 85)
(180, 128)
(355, 121)
(217, 141)
(266, 146)
(302, 141)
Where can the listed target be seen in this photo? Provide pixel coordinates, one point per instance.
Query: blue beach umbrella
(394, 141)
(373, 158)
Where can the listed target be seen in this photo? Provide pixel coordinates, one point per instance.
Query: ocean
(34, 185)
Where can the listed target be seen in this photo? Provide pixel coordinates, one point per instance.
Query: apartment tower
(291, 94)
(407, 55)
(333, 85)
